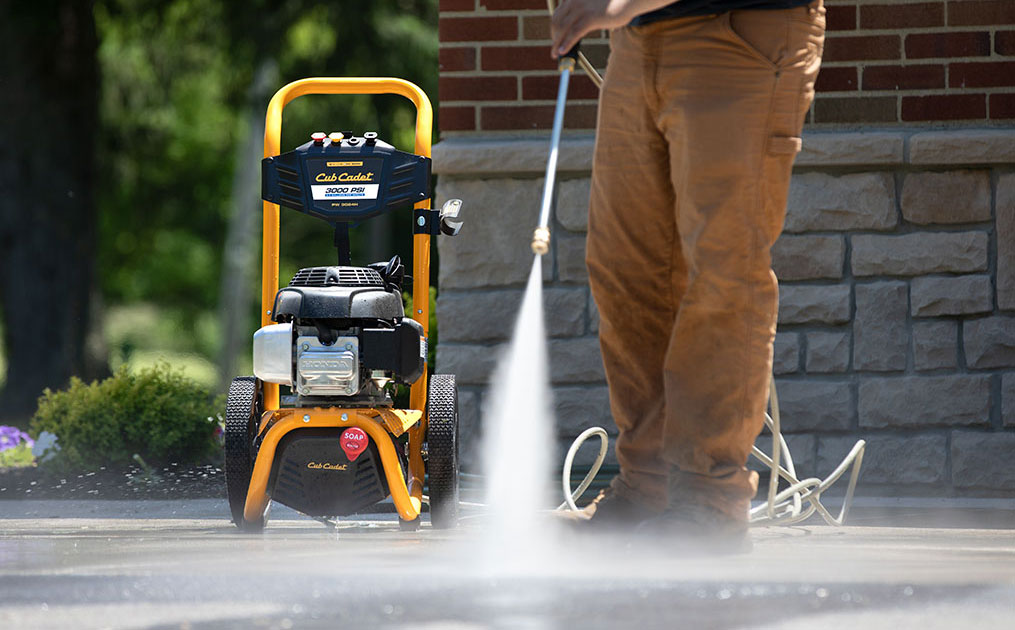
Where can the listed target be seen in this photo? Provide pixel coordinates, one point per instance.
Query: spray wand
(541, 236)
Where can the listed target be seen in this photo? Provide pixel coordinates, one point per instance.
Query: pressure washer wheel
(241, 430)
(442, 446)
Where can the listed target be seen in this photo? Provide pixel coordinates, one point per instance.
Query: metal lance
(541, 237)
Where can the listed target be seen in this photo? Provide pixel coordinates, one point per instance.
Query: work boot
(706, 515)
(608, 512)
(696, 530)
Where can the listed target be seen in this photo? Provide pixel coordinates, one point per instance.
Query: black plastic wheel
(241, 430)
(442, 446)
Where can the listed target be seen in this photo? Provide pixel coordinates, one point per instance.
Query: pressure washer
(338, 339)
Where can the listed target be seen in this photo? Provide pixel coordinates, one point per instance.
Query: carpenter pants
(699, 123)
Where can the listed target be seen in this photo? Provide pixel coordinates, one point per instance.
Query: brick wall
(897, 265)
(886, 62)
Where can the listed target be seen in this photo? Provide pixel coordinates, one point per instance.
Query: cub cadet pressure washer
(338, 337)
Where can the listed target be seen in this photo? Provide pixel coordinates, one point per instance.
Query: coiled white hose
(794, 504)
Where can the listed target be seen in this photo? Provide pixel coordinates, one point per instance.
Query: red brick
(841, 18)
(517, 58)
(477, 29)
(981, 74)
(928, 45)
(836, 80)
(545, 88)
(1004, 43)
(1002, 106)
(536, 27)
(879, 109)
(944, 107)
(456, 59)
(902, 16)
(477, 88)
(980, 12)
(458, 5)
(862, 48)
(903, 77)
(536, 117)
(509, 5)
(456, 118)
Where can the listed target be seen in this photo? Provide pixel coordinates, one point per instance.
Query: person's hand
(575, 19)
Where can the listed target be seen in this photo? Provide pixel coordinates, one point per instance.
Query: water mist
(518, 441)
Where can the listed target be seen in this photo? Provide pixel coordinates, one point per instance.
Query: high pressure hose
(781, 508)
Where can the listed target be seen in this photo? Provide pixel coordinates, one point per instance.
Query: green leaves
(156, 413)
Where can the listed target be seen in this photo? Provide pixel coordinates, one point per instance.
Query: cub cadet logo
(327, 466)
(325, 178)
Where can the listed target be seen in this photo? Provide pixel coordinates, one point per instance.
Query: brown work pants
(699, 123)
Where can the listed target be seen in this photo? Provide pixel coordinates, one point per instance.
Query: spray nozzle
(541, 240)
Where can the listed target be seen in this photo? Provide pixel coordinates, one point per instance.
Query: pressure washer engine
(339, 339)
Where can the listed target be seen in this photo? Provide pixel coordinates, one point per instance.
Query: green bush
(156, 413)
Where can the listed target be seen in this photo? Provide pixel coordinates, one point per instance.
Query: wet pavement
(164, 564)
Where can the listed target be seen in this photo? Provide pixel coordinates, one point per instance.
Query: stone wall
(897, 314)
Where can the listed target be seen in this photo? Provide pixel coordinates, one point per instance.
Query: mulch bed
(173, 482)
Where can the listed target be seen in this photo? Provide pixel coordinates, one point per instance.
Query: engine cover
(327, 370)
(311, 473)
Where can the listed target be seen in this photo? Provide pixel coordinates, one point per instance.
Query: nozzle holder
(541, 241)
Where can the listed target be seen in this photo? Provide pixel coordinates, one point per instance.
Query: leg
(630, 256)
(737, 87)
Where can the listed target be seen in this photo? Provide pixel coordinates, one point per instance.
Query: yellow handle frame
(420, 264)
(421, 242)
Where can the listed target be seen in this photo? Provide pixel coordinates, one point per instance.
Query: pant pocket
(776, 38)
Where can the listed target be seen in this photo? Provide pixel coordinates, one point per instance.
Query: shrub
(156, 413)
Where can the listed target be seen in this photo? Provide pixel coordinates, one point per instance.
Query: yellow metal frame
(407, 495)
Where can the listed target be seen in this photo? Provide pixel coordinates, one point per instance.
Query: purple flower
(10, 437)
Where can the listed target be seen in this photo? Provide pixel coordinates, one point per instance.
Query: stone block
(827, 352)
(951, 295)
(814, 304)
(493, 249)
(951, 197)
(593, 315)
(570, 259)
(573, 204)
(861, 201)
(469, 430)
(579, 408)
(966, 146)
(1008, 400)
(472, 364)
(822, 148)
(509, 156)
(1005, 224)
(880, 336)
(919, 253)
(808, 257)
(576, 361)
(912, 401)
(786, 353)
(490, 316)
(802, 446)
(913, 459)
(935, 345)
(989, 342)
(983, 460)
(815, 405)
